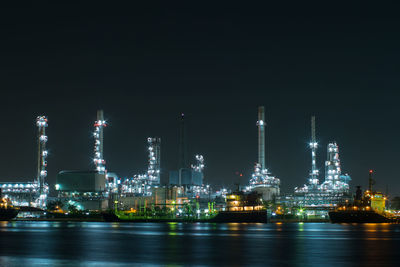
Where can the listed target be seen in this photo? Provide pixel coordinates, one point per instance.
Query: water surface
(201, 244)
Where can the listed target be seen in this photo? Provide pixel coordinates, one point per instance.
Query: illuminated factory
(334, 189)
(262, 181)
(33, 193)
(99, 189)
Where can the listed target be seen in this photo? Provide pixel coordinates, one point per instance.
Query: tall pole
(261, 137)
(182, 144)
(41, 123)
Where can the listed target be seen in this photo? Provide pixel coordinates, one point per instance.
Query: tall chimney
(182, 160)
(261, 136)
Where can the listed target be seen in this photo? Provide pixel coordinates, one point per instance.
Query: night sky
(145, 64)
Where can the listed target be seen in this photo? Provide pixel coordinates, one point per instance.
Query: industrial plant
(100, 189)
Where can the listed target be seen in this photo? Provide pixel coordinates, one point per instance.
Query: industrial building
(160, 197)
(86, 190)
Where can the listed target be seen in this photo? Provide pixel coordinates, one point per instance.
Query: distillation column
(153, 171)
(42, 123)
(99, 124)
(261, 137)
(332, 164)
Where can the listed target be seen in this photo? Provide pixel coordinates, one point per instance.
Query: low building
(160, 197)
(86, 190)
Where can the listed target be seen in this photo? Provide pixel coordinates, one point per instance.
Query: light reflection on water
(96, 243)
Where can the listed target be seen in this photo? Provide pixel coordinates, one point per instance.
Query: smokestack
(261, 136)
(182, 160)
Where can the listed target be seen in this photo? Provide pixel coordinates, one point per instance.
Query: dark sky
(145, 64)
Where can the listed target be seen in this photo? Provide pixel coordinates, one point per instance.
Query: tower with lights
(314, 173)
(153, 170)
(99, 125)
(42, 123)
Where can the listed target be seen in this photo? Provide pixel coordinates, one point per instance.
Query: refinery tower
(261, 180)
(334, 189)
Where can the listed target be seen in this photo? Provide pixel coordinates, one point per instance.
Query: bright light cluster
(201, 191)
(137, 185)
(199, 166)
(261, 177)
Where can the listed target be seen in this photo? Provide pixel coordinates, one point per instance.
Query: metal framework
(153, 170)
(42, 123)
(98, 160)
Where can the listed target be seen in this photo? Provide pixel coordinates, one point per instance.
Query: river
(199, 244)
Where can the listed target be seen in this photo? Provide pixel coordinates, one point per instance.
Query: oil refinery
(185, 191)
